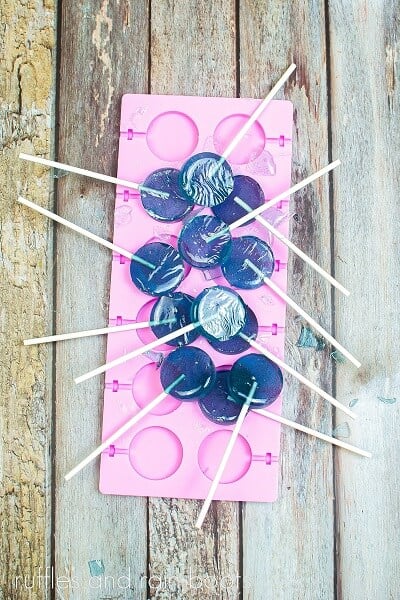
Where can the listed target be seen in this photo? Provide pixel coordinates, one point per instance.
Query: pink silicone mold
(175, 451)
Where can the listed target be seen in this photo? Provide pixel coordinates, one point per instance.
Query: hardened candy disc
(221, 312)
(173, 208)
(236, 344)
(167, 273)
(198, 368)
(216, 406)
(206, 179)
(176, 306)
(255, 368)
(196, 245)
(245, 189)
(238, 272)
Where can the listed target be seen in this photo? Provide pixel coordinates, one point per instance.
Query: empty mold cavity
(166, 129)
(251, 145)
(155, 453)
(146, 386)
(212, 449)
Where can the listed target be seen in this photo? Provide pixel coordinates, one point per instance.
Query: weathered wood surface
(192, 50)
(366, 134)
(332, 533)
(103, 53)
(288, 546)
(26, 102)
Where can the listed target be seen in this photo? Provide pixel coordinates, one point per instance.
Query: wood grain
(103, 54)
(366, 134)
(193, 52)
(288, 546)
(26, 113)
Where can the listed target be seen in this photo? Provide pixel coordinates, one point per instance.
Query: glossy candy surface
(217, 406)
(255, 368)
(236, 268)
(246, 189)
(206, 180)
(172, 208)
(198, 368)
(176, 306)
(221, 312)
(236, 344)
(196, 245)
(167, 274)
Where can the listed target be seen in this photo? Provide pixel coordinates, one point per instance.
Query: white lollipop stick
(92, 174)
(303, 313)
(88, 234)
(225, 458)
(298, 376)
(92, 332)
(260, 109)
(135, 419)
(260, 209)
(313, 432)
(138, 352)
(294, 248)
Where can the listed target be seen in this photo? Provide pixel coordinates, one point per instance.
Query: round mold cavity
(172, 136)
(155, 453)
(236, 269)
(212, 449)
(198, 245)
(146, 386)
(160, 269)
(170, 209)
(146, 335)
(250, 146)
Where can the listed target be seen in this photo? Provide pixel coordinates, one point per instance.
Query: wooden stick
(138, 352)
(298, 376)
(92, 174)
(92, 332)
(313, 432)
(130, 423)
(303, 313)
(294, 248)
(225, 458)
(88, 234)
(260, 109)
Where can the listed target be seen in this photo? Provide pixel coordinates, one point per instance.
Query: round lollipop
(161, 269)
(237, 344)
(171, 313)
(206, 179)
(197, 244)
(168, 209)
(195, 365)
(255, 369)
(236, 268)
(245, 189)
(216, 406)
(220, 311)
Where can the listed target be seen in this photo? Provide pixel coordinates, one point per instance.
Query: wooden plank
(26, 114)
(104, 50)
(193, 52)
(366, 134)
(288, 546)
